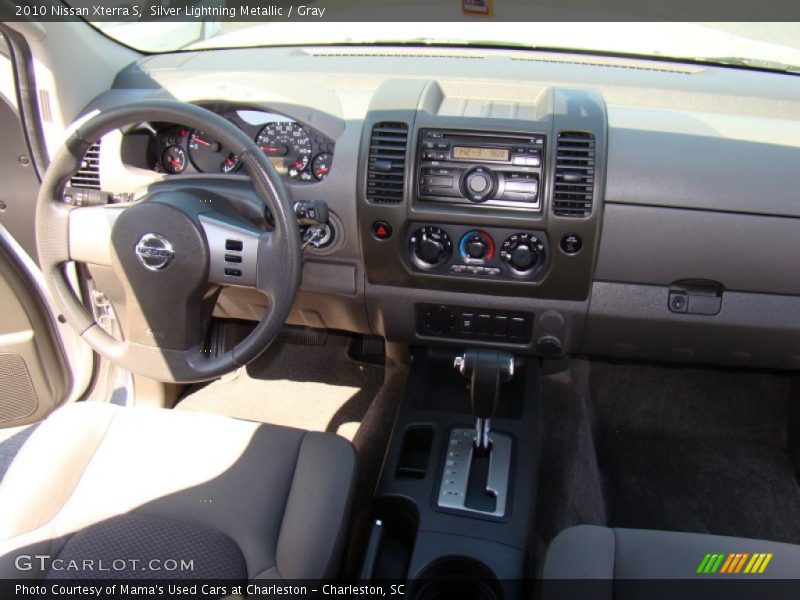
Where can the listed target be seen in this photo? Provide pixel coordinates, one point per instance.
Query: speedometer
(287, 146)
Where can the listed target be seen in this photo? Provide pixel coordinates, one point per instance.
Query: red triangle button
(382, 230)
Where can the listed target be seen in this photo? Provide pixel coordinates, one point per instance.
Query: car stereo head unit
(478, 167)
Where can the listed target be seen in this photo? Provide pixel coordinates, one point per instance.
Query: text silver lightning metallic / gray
(154, 252)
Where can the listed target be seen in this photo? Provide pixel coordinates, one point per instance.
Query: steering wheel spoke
(233, 247)
(90, 233)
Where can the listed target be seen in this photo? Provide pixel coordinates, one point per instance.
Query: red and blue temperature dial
(476, 245)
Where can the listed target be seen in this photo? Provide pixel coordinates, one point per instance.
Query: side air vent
(387, 163)
(574, 180)
(88, 176)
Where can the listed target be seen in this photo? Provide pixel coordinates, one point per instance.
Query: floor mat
(314, 387)
(680, 449)
(696, 450)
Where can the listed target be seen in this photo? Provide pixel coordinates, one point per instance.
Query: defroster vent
(88, 176)
(573, 189)
(387, 163)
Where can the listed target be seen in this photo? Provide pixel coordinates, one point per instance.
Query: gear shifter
(486, 370)
(476, 476)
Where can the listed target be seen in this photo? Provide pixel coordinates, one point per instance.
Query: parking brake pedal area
(457, 492)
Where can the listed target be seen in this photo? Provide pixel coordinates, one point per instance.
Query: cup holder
(457, 577)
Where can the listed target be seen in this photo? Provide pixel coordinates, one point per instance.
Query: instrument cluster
(297, 151)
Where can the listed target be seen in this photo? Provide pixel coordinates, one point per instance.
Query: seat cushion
(590, 552)
(281, 495)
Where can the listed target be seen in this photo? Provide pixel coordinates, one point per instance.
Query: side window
(20, 186)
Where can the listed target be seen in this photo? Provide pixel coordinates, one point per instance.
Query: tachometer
(287, 146)
(208, 155)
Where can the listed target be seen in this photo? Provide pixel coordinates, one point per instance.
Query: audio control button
(436, 181)
(479, 184)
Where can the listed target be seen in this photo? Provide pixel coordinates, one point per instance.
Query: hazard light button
(381, 230)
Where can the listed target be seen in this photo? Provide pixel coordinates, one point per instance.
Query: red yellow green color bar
(735, 562)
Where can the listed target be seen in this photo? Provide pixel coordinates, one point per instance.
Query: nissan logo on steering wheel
(154, 252)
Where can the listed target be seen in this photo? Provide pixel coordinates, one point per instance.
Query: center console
(479, 213)
(494, 195)
(455, 502)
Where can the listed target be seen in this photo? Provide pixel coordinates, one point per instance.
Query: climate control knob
(522, 253)
(479, 184)
(430, 246)
(476, 246)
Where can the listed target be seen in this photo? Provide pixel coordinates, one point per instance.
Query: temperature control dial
(430, 246)
(476, 245)
(522, 253)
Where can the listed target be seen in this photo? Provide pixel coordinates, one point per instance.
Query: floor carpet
(314, 387)
(642, 446)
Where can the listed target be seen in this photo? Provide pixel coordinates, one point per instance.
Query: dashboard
(543, 203)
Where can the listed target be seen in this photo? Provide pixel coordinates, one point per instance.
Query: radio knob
(479, 184)
(430, 246)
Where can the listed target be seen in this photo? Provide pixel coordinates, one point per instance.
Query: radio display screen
(476, 153)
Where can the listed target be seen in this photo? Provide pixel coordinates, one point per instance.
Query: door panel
(34, 376)
(20, 185)
(35, 373)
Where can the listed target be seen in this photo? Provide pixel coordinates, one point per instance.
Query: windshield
(765, 45)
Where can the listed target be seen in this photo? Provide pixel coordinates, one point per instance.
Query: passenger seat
(591, 552)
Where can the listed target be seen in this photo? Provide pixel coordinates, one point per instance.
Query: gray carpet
(306, 386)
(680, 449)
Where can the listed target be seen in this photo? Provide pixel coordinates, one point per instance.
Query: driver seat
(232, 499)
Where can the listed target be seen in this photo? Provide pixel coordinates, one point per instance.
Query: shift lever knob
(486, 370)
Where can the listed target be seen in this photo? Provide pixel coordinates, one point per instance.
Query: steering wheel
(172, 250)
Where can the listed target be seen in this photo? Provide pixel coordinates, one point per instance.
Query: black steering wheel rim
(278, 267)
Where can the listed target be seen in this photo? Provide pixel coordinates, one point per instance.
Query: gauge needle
(268, 149)
(175, 163)
(201, 141)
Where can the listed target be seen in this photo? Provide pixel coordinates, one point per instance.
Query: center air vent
(88, 176)
(387, 163)
(573, 188)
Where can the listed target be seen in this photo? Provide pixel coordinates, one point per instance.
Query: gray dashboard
(695, 195)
